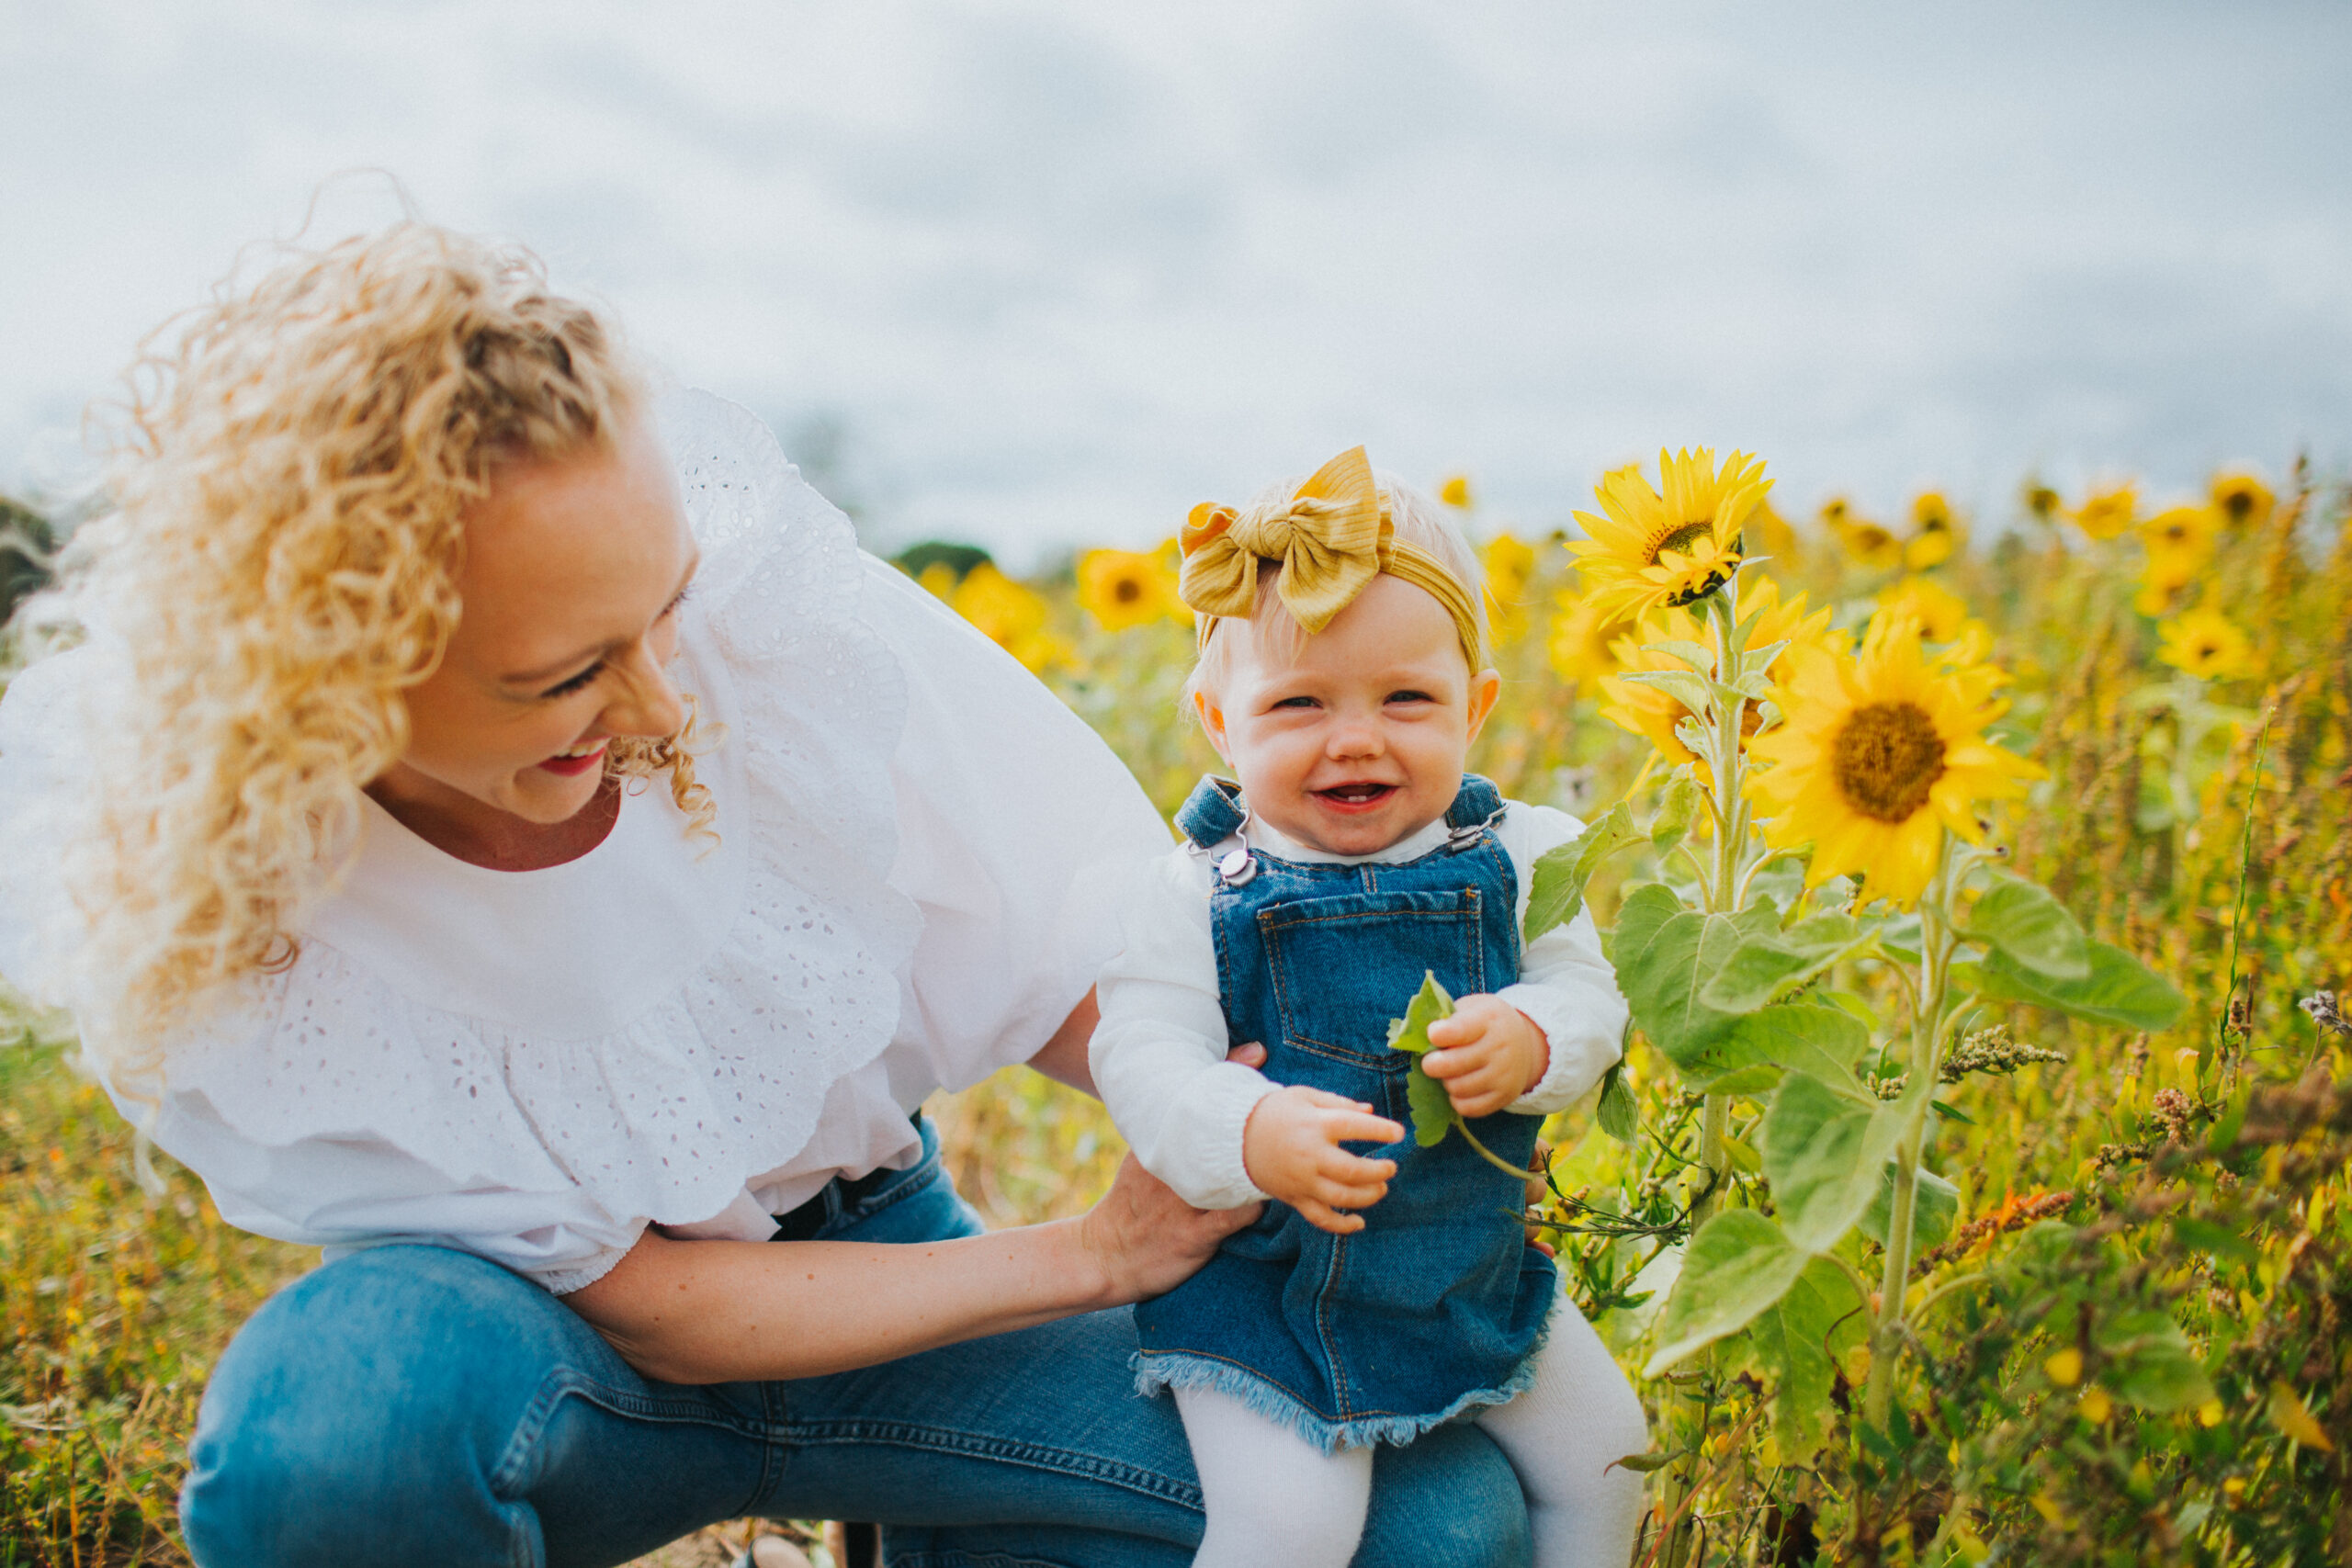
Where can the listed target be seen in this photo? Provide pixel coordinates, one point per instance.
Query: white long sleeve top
(1159, 1055)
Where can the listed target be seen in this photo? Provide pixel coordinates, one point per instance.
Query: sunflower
(1658, 548)
(2241, 500)
(2107, 513)
(1879, 754)
(1871, 547)
(1941, 614)
(2208, 643)
(939, 579)
(1643, 709)
(1012, 614)
(1509, 562)
(2184, 531)
(1127, 588)
(1770, 534)
(2041, 504)
(1935, 532)
(1456, 490)
(1580, 645)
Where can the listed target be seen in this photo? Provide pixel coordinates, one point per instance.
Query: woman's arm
(695, 1312)
(1063, 1058)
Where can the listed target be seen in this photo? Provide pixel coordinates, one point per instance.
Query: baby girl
(1343, 677)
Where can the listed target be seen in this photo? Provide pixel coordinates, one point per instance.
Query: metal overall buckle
(1462, 838)
(1237, 865)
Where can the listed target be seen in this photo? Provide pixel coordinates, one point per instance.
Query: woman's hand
(1146, 1240)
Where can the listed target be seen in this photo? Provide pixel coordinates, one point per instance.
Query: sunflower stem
(1723, 887)
(1935, 945)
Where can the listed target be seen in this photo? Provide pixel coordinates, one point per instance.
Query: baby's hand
(1291, 1148)
(1488, 1054)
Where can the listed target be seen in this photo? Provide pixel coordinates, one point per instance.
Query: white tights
(1276, 1501)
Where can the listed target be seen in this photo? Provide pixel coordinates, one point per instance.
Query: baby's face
(1361, 741)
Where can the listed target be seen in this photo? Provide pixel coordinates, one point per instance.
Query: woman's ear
(1212, 722)
(1485, 689)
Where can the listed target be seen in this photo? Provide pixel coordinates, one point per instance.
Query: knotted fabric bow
(1329, 540)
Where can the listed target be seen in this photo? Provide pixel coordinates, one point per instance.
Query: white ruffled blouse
(919, 848)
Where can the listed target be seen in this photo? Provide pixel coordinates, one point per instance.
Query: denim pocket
(1344, 965)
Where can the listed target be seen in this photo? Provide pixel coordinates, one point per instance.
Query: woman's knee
(1449, 1497)
(387, 1383)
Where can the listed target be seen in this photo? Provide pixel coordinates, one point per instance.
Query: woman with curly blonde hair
(493, 825)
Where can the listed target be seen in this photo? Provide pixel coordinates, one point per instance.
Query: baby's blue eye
(1410, 697)
(1296, 702)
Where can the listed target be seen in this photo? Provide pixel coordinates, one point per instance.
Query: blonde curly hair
(287, 498)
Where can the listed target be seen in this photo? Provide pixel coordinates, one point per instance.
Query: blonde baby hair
(275, 569)
(1274, 633)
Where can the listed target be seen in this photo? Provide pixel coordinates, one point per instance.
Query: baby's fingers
(1323, 1217)
(1352, 1126)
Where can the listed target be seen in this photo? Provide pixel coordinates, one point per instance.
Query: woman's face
(572, 576)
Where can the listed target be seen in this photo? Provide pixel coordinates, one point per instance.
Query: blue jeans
(415, 1404)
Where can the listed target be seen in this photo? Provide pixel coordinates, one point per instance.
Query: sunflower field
(1975, 1186)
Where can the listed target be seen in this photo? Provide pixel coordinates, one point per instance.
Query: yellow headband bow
(1329, 539)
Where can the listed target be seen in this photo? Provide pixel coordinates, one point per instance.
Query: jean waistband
(809, 1217)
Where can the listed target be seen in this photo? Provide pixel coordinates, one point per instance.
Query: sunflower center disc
(1887, 758)
(1681, 539)
(1127, 592)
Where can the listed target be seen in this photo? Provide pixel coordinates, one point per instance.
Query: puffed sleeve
(1565, 985)
(1017, 829)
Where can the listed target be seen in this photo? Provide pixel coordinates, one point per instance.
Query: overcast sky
(1055, 270)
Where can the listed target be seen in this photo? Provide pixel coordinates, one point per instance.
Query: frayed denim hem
(1156, 1371)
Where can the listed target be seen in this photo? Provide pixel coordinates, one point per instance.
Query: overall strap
(1477, 801)
(1212, 812)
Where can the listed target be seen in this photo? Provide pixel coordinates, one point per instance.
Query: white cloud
(1060, 269)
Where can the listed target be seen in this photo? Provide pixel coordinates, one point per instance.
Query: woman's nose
(649, 702)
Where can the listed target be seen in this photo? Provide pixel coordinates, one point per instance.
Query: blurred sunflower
(2162, 586)
(1673, 545)
(2107, 512)
(1878, 754)
(2041, 504)
(2208, 643)
(1127, 588)
(1012, 616)
(939, 579)
(1645, 710)
(1935, 532)
(1770, 534)
(1869, 545)
(2241, 501)
(1581, 635)
(1510, 563)
(2179, 531)
(2180, 542)
(1941, 614)
(1456, 490)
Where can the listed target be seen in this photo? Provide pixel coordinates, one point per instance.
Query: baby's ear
(1485, 689)
(1212, 722)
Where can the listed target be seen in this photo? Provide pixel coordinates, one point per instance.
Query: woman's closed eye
(581, 682)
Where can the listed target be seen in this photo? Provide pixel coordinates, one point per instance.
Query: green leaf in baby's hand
(1433, 1109)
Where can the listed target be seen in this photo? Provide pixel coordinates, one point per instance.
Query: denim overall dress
(1436, 1305)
